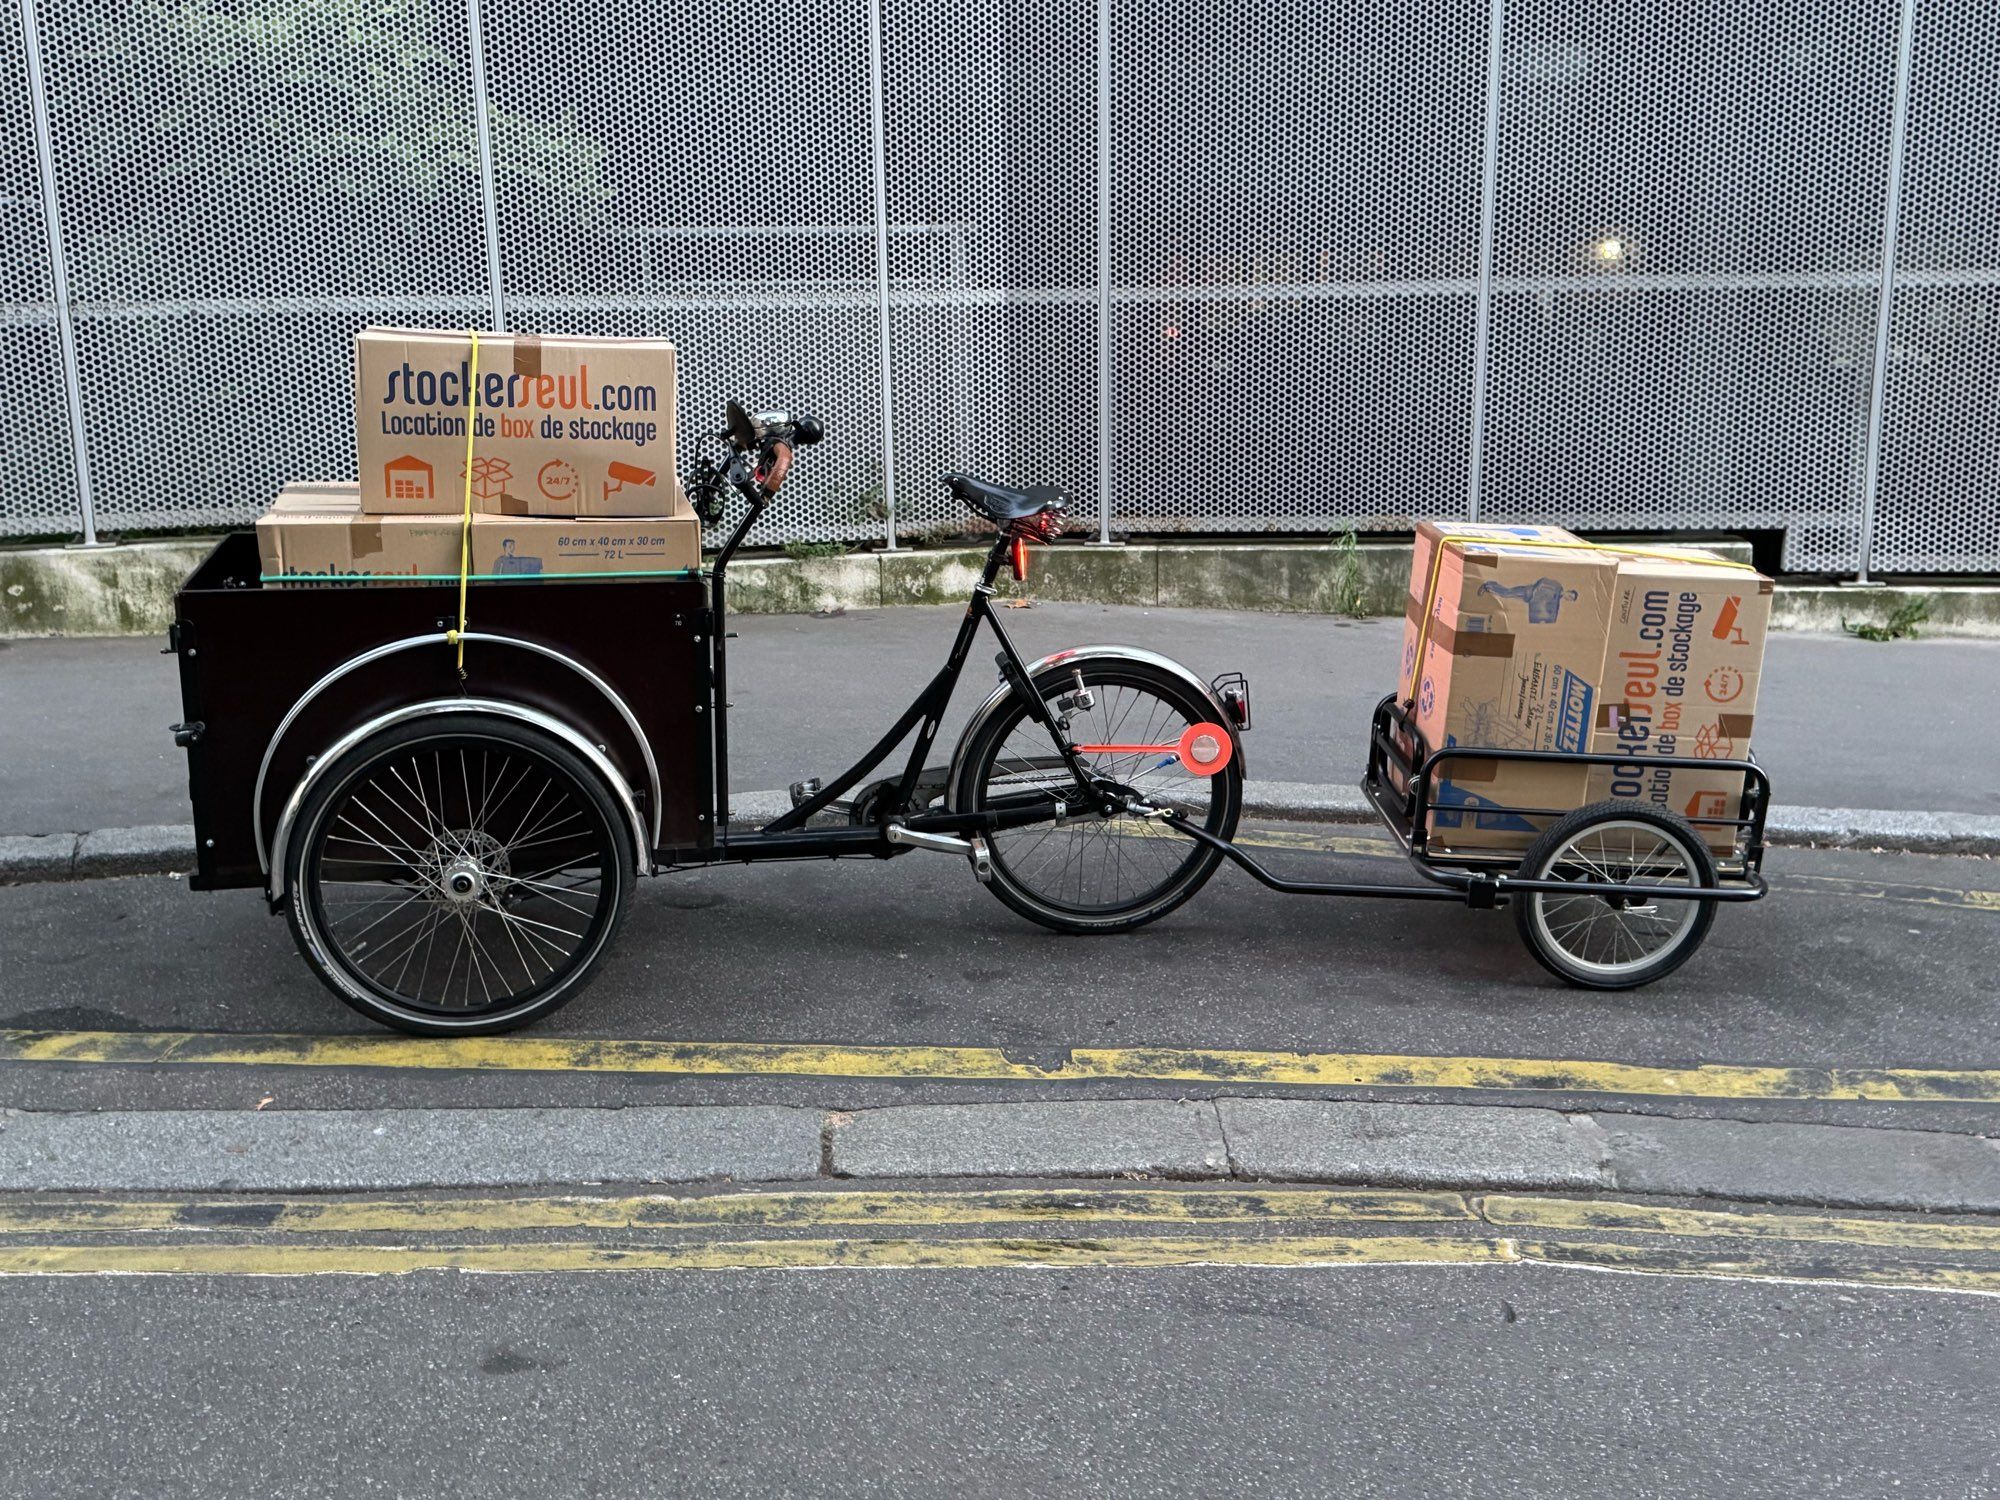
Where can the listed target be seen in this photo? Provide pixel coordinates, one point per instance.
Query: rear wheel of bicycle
(458, 878)
(1092, 874)
(1616, 942)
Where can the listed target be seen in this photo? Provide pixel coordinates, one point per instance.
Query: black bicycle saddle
(1000, 504)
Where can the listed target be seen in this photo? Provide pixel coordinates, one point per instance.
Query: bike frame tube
(1464, 885)
(787, 836)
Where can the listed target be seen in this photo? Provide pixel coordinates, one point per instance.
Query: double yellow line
(1074, 1229)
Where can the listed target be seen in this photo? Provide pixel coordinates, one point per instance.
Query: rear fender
(1077, 656)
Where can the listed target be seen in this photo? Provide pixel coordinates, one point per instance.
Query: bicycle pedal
(805, 791)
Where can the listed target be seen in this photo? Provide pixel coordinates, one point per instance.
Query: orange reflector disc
(1204, 748)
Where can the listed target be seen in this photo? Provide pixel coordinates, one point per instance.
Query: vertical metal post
(482, 124)
(45, 163)
(1891, 212)
(962, 438)
(1482, 320)
(1105, 403)
(877, 139)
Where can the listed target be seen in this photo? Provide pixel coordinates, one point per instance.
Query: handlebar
(772, 436)
(761, 447)
(761, 431)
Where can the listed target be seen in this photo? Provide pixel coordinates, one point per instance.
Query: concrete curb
(325, 1150)
(1073, 1138)
(27, 859)
(1466, 1147)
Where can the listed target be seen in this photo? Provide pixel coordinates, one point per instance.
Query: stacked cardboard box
(1682, 665)
(1529, 638)
(572, 468)
(560, 426)
(319, 533)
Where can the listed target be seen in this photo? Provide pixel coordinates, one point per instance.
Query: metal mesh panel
(1296, 237)
(1938, 505)
(1683, 292)
(1681, 407)
(242, 187)
(992, 184)
(37, 477)
(719, 195)
(1687, 253)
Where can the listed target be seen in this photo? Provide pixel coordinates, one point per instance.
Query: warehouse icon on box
(408, 478)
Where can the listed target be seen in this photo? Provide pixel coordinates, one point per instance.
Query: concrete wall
(128, 590)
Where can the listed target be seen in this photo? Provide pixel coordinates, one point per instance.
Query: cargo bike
(451, 809)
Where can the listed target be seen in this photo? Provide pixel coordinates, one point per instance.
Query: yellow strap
(1470, 540)
(457, 637)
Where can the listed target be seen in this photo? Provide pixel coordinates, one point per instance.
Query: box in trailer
(559, 426)
(1425, 549)
(1683, 662)
(1507, 653)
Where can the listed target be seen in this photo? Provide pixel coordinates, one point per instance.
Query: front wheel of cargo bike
(458, 877)
(1616, 942)
(1090, 874)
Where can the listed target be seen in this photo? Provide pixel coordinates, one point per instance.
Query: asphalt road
(1857, 960)
(84, 744)
(1460, 1380)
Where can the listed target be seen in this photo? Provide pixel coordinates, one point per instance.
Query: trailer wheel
(458, 877)
(1615, 943)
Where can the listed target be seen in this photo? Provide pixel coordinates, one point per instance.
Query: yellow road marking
(1282, 1227)
(1277, 1207)
(208, 1258)
(267, 1215)
(1670, 1261)
(1647, 1218)
(986, 1064)
(267, 1258)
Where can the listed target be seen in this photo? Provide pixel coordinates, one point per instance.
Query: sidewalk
(1254, 1139)
(1842, 724)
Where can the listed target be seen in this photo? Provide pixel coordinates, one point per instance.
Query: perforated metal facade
(37, 469)
(1272, 270)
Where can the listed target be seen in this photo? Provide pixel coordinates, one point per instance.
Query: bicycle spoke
(460, 879)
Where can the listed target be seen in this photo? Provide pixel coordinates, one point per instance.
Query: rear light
(1233, 688)
(1020, 559)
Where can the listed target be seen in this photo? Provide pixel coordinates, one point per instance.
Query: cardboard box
(298, 545)
(326, 546)
(1428, 533)
(561, 426)
(1511, 658)
(318, 495)
(1683, 661)
(545, 547)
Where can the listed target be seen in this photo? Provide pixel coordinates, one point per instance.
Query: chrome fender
(442, 708)
(273, 865)
(1077, 655)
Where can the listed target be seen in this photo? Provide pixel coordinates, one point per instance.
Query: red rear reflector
(1020, 559)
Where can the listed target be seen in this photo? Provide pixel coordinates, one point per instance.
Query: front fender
(447, 709)
(1077, 655)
